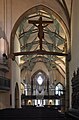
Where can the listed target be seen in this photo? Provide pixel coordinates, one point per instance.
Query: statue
(40, 28)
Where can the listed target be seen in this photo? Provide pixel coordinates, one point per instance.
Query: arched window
(59, 89)
(40, 79)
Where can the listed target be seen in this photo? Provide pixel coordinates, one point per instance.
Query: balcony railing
(4, 65)
(4, 83)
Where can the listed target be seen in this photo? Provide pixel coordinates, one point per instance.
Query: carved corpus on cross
(39, 24)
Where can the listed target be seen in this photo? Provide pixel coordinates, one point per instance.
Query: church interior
(39, 68)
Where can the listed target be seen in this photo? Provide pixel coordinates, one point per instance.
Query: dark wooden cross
(40, 27)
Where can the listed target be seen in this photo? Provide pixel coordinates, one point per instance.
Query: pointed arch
(38, 72)
(59, 89)
(46, 79)
(61, 84)
(33, 10)
(16, 96)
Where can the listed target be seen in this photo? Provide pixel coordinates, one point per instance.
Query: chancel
(39, 59)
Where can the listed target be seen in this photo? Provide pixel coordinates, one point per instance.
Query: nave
(38, 113)
(39, 40)
(30, 113)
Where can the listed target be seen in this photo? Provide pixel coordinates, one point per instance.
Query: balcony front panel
(4, 83)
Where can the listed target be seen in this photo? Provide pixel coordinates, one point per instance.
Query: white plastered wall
(16, 74)
(15, 78)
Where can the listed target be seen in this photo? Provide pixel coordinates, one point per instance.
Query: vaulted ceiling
(53, 43)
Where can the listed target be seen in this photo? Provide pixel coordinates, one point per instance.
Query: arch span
(31, 11)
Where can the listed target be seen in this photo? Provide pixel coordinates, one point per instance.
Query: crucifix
(40, 27)
(40, 24)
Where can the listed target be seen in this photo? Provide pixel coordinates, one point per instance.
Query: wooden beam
(42, 52)
(39, 21)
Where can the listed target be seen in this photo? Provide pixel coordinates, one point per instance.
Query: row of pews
(72, 114)
(31, 113)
